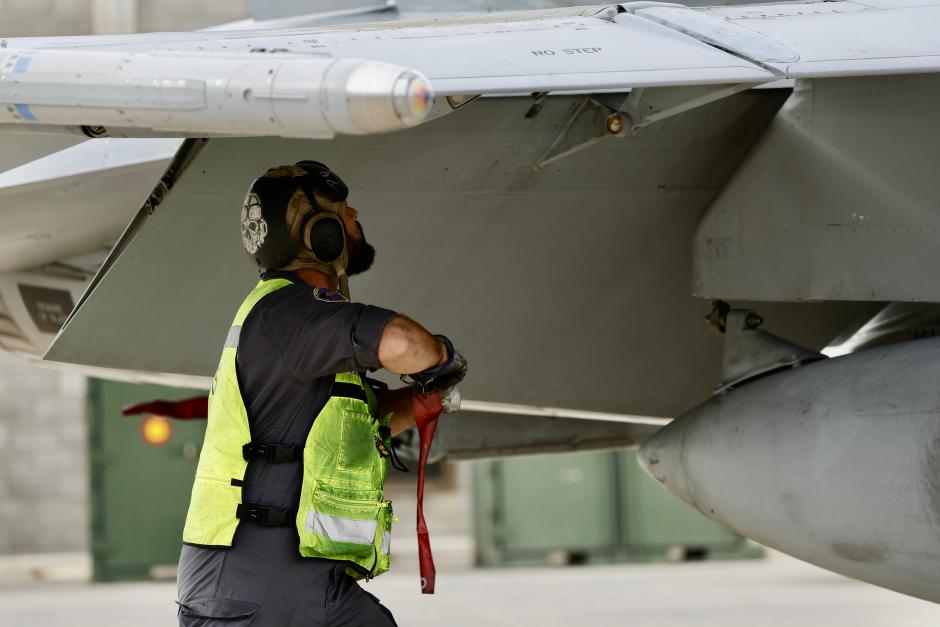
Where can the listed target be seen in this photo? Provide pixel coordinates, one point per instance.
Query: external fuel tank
(836, 462)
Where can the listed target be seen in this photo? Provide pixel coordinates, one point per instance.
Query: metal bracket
(750, 352)
(595, 119)
(647, 106)
(588, 123)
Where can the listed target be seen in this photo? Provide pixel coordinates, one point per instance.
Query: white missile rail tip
(281, 95)
(374, 96)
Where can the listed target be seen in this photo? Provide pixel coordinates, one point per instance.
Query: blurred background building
(30, 18)
(44, 493)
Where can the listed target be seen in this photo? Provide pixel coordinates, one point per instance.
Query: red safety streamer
(195, 408)
(427, 409)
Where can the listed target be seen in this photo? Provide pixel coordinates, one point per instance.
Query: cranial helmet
(281, 220)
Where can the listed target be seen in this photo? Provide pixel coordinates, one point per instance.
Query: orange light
(156, 430)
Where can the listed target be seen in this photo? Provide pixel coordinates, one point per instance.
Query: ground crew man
(287, 509)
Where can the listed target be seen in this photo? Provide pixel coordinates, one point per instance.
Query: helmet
(266, 223)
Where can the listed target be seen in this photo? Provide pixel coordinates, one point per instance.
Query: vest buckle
(264, 515)
(273, 452)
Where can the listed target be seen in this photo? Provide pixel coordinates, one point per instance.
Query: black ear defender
(322, 232)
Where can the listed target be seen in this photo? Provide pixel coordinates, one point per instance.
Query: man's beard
(361, 255)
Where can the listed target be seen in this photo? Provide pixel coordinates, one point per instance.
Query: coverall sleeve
(317, 337)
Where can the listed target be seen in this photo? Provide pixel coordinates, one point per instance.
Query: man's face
(361, 252)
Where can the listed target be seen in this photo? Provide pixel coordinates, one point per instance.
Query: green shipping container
(579, 507)
(140, 490)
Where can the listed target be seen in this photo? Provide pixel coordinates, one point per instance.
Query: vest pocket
(211, 519)
(384, 540)
(344, 524)
(357, 450)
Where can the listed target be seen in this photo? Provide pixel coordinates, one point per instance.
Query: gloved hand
(435, 402)
(450, 400)
(442, 377)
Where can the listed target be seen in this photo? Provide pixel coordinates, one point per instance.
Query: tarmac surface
(773, 592)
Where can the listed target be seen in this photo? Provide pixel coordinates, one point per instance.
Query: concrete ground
(774, 592)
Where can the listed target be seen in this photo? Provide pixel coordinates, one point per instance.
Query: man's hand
(400, 404)
(450, 399)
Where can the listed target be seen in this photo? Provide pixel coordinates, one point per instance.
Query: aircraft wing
(362, 79)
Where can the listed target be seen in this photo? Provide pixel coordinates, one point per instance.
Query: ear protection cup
(323, 234)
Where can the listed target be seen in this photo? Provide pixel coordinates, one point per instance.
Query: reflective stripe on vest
(231, 340)
(341, 514)
(341, 529)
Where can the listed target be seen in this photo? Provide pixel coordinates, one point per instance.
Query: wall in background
(29, 18)
(43, 459)
(176, 15)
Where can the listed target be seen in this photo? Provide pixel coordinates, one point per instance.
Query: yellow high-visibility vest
(342, 514)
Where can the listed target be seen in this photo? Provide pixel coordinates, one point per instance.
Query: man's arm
(406, 347)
